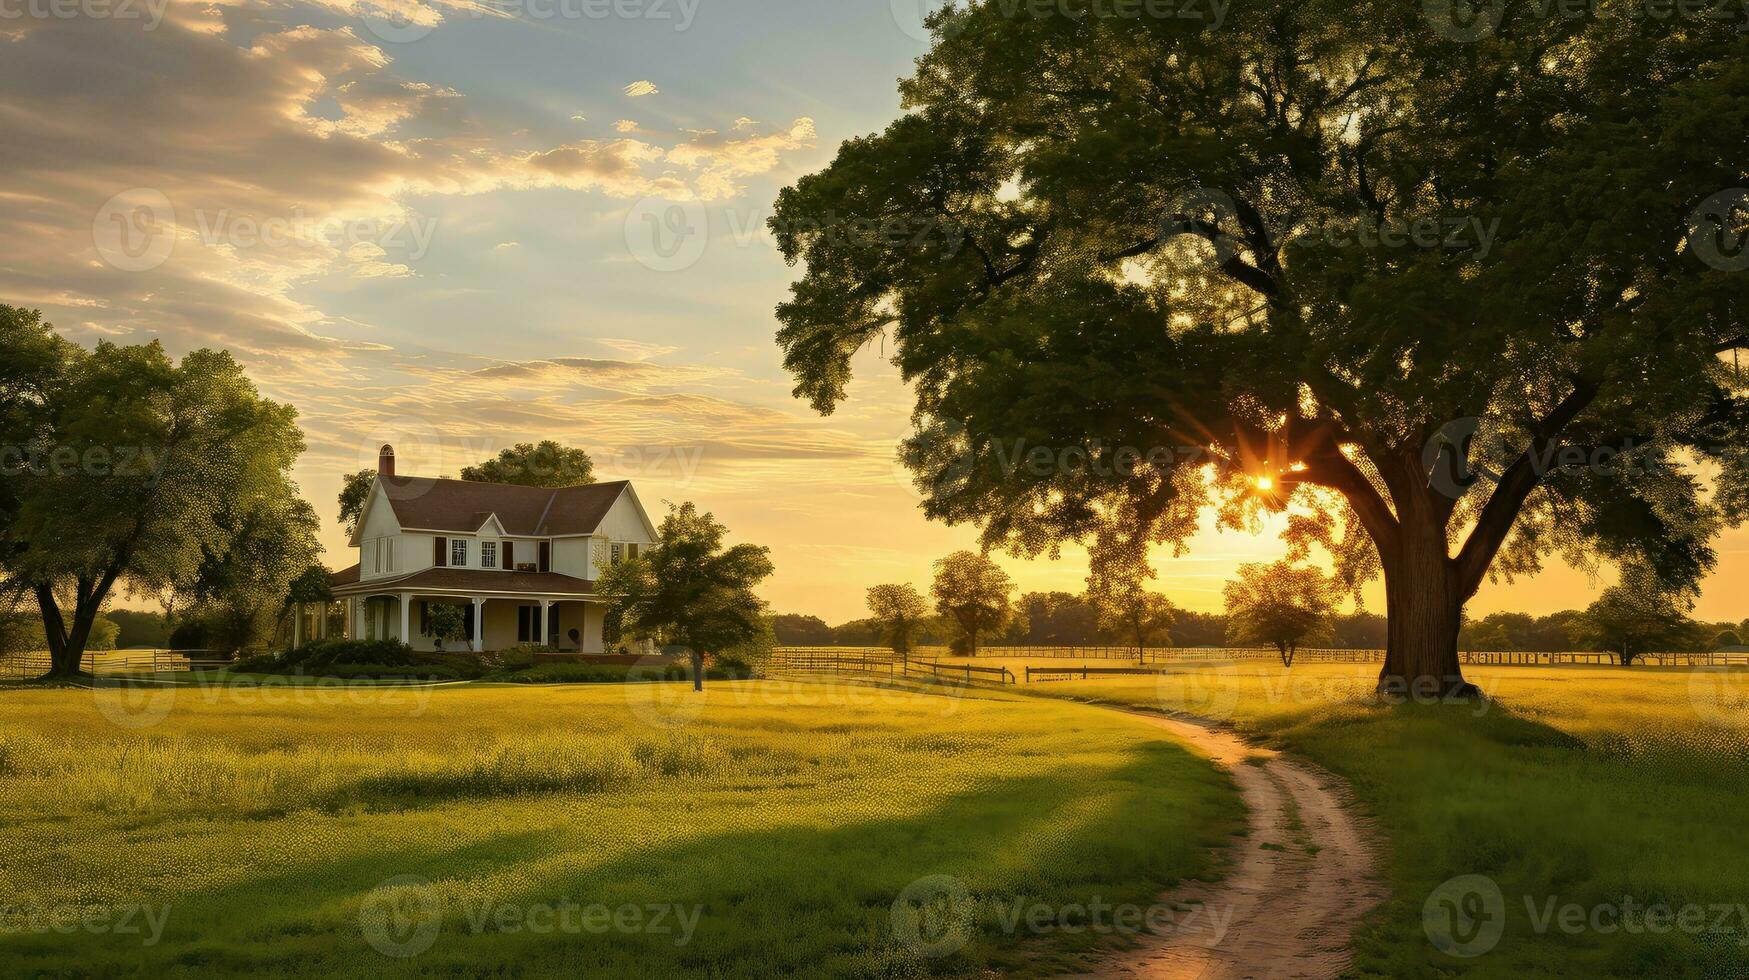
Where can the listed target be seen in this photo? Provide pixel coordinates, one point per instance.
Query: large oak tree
(1318, 257)
(123, 466)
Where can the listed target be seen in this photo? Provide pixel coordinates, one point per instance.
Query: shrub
(729, 669)
(595, 674)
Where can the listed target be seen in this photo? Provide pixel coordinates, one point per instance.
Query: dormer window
(488, 554)
(458, 553)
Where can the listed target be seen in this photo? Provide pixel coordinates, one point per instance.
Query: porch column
(406, 619)
(479, 626)
(297, 625)
(545, 605)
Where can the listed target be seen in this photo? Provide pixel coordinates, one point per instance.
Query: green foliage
(170, 475)
(545, 465)
(1054, 619)
(1151, 257)
(1639, 616)
(973, 593)
(1727, 639)
(794, 630)
(1280, 604)
(104, 634)
(445, 622)
(140, 629)
(1136, 616)
(689, 590)
(900, 610)
(354, 494)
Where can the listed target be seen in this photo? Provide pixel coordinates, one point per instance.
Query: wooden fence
(31, 665)
(877, 660)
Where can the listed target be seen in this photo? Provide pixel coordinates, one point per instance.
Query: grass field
(621, 831)
(1574, 787)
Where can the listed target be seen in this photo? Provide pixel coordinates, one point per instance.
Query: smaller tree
(1637, 617)
(689, 590)
(1729, 638)
(1280, 604)
(547, 464)
(900, 609)
(445, 622)
(974, 593)
(354, 493)
(1136, 615)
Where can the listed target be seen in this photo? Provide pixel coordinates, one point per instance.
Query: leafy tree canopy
(1182, 264)
(1641, 615)
(974, 593)
(126, 465)
(1280, 604)
(900, 609)
(547, 464)
(689, 590)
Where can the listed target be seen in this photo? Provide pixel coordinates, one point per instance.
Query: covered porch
(566, 618)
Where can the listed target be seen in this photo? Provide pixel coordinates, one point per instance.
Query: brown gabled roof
(478, 580)
(346, 576)
(462, 507)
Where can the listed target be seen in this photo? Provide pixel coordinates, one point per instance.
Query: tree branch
(1516, 484)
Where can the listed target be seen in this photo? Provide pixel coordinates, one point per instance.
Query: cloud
(626, 126)
(639, 89)
(637, 350)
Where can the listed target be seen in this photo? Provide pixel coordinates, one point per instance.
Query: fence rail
(25, 666)
(881, 660)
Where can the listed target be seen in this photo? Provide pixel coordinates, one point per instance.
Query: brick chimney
(386, 462)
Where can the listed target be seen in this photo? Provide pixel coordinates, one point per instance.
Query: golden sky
(476, 228)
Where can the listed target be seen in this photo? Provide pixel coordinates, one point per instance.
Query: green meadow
(1590, 797)
(770, 828)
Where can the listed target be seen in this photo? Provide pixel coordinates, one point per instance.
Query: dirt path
(1303, 877)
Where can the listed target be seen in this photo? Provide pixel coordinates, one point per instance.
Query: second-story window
(618, 552)
(488, 554)
(458, 553)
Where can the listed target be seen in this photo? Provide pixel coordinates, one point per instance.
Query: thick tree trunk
(1424, 599)
(66, 646)
(697, 671)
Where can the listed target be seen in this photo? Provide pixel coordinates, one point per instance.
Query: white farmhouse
(520, 561)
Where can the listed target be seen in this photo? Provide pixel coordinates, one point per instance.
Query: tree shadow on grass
(798, 899)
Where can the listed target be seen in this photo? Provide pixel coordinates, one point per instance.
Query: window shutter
(442, 557)
(546, 556)
(509, 556)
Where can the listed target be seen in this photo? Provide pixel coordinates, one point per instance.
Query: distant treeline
(1054, 619)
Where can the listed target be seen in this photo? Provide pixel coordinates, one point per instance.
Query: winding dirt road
(1303, 877)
